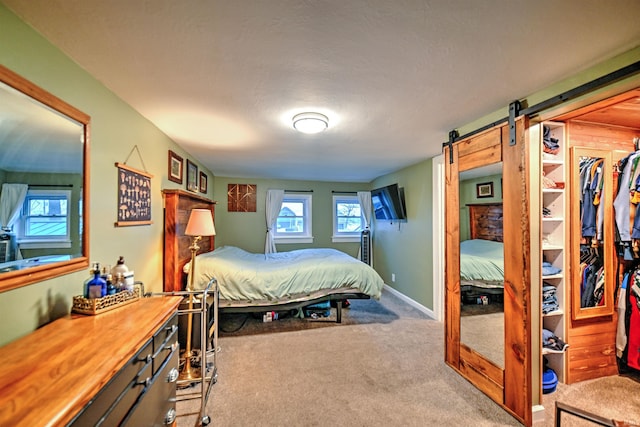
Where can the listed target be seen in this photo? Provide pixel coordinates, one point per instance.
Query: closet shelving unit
(554, 228)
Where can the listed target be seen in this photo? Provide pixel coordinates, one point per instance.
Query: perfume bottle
(96, 287)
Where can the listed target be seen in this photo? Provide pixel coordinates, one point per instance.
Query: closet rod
(583, 89)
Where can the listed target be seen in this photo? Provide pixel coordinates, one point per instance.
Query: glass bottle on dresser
(96, 287)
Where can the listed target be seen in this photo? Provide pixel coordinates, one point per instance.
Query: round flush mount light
(310, 122)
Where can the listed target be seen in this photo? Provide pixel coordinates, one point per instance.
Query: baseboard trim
(411, 302)
(537, 414)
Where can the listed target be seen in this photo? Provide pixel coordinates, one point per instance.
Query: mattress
(481, 261)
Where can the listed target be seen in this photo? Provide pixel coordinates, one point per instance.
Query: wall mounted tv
(388, 202)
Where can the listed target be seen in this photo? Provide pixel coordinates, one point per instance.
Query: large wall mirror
(482, 262)
(44, 177)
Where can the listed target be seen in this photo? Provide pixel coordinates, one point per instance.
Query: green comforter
(246, 276)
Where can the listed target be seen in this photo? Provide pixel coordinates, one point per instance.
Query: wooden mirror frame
(510, 387)
(18, 278)
(606, 309)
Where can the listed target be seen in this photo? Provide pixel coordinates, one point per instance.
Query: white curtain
(11, 200)
(364, 197)
(274, 204)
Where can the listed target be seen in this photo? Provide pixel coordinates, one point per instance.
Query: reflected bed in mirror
(482, 264)
(43, 197)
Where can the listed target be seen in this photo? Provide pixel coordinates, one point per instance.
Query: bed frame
(177, 207)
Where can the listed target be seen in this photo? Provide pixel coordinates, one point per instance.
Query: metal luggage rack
(208, 363)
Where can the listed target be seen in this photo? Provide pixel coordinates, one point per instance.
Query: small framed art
(192, 176)
(484, 189)
(175, 167)
(203, 182)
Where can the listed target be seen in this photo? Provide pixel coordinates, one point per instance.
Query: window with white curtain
(348, 221)
(294, 220)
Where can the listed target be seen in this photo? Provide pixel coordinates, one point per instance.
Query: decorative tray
(95, 306)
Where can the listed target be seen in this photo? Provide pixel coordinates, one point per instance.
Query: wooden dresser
(116, 368)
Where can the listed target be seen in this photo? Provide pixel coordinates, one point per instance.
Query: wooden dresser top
(48, 376)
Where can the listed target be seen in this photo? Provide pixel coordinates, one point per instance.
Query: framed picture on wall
(192, 176)
(203, 182)
(484, 189)
(175, 167)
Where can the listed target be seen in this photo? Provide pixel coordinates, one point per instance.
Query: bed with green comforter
(256, 280)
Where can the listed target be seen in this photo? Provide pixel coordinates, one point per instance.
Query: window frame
(41, 242)
(306, 236)
(342, 236)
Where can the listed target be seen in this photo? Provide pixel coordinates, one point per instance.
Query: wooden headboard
(177, 208)
(485, 221)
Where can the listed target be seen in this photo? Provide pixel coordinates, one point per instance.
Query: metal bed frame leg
(339, 311)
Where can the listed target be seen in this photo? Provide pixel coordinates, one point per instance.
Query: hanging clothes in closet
(627, 221)
(591, 220)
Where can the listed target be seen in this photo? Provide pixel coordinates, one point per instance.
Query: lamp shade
(200, 223)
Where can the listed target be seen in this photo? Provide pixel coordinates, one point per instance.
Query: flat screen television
(388, 202)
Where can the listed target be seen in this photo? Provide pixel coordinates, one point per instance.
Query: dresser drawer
(159, 398)
(112, 403)
(165, 342)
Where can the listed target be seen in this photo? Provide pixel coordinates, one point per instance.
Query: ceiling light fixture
(310, 122)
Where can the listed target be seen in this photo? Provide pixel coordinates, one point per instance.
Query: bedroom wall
(247, 229)
(115, 129)
(404, 249)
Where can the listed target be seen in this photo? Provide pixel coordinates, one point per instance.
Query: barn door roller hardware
(452, 138)
(569, 95)
(514, 112)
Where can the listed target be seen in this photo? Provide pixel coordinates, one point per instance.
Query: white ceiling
(223, 78)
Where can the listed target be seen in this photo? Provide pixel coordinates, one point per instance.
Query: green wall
(405, 248)
(115, 129)
(247, 230)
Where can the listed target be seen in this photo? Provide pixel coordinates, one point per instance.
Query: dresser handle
(171, 329)
(172, 376)
(145, 359)
(170, 417)
(172, 347)
(145, 383)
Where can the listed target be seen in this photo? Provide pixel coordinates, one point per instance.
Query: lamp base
(189, 373)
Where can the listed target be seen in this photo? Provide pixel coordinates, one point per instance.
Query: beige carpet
(382, 367)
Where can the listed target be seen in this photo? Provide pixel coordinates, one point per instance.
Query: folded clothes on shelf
(552, 343)
(549, 298)
(549, 270)
(550, 144)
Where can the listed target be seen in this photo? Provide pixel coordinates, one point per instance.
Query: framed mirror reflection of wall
(44, 196)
